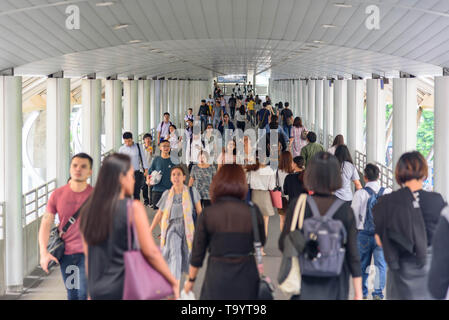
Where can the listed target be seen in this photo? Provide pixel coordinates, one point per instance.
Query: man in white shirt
(138, 160)
(163, 129)
(362, 204)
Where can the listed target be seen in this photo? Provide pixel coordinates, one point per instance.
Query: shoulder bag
(56, 246)
(194, 213)
(276, 194)
(141, 281)
(266, 288)
(289, 277)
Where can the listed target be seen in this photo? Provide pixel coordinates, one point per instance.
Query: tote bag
(276, 194)
(141, 282)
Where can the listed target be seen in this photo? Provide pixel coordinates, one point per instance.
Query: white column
(164, 97)
(441, 150)
(305, 105)
(11, 178)
(144, 106)
(311, 94)
(58, 130)
(375, 121)
(319, 107)
(340, 108)
(157, 103)
(328, 108)
(113, 114)
(354, 141)
(404, 117)
(91, 125)
(130, 107)
(152, 105)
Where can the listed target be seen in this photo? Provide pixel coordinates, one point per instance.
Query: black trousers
(205, 203)
(155, 197)
(232, 112)
(139, 181)
(145, 192)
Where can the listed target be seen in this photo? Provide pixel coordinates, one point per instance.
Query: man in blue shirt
(264, 117)
(163, 164)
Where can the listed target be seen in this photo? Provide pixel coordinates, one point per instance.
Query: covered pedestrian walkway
(76, 74)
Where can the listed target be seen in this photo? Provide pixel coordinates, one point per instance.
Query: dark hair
(230, 180)
(338, 140)
(172, 125)
(264, 104)
(280, 105)
(166, 113)
(178, 168)
(163, 141)
(285, 162)
(286, 104)
(97, 213)
(147, 135)
(190, 109)
(322, 174)
(297, 122)
(299, 161)
(410, 166)
(311, 136)
(342, 153)
(371, 172)
(127, 135)
(83, 155)
(242, 109)
(202, 101)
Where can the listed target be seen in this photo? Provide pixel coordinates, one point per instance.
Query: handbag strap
(72, 220)
(300, 209)
(277, 179)
(140, 156)
(131, 224)
(257, 243)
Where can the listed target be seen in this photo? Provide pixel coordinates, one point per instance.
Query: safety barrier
(107, 153)
(386, 177)
(2, 249)
(34, 203)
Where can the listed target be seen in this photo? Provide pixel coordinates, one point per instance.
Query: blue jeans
(74, 275)
(203, 122)
(287, 130)
(368, 248)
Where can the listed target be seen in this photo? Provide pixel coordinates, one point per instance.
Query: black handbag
(266, 288)
(56, 245)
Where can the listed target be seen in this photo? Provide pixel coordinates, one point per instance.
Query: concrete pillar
(340, 108)
(375, 121)
(354, 141)
(164, 98)
(130, 108)
(441, 150)
(311, 97)
(113, 114)
(157, 103)
(152, 105)
(58, 130)
(319, 107)
(91, 122)
(144, 106)
(11, 178)
(328, 107)
(305, 104)
(404, 117)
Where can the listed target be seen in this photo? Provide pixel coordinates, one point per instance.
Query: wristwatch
(192, 280)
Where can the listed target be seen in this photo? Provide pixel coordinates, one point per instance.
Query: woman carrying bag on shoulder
(176, 215)
(104, 226)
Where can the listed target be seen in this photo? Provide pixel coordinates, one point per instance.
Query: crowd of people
(206, 203)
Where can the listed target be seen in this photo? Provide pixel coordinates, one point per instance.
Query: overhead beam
(59, 75)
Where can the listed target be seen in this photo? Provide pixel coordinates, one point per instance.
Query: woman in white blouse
(337, 141)
(261, 179)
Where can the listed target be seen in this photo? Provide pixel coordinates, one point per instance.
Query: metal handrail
(330, 140)
(34, 207)
(360, 161)
(321, 137)
(2, 220)
(107, 153)
(386, 176)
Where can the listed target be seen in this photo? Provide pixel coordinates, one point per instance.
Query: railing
(330, 140)
(34, 202)
(385, 175)
(321, 138)
(107, 153)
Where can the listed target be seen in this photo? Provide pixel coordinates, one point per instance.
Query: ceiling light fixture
(316, 41)
(343, 5)
(328, 26)
(120, 26)
(105, 4)
(135, 41)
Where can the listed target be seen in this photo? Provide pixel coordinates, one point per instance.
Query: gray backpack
(329, 237)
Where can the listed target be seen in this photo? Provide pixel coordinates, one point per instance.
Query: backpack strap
(329, 213)
(381, 192)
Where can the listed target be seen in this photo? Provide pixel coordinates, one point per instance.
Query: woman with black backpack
(322, 178)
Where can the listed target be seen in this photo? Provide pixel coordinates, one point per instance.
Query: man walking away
(362, 204)
(287, 119)
(232, 103)
(66, 201)
(311, 148)
(139, 162)
(148, 152)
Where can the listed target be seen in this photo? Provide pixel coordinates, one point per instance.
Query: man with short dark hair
(163, 165)
(138, 160)
(362, 205)
(287, 119)
(66, 201)
(189, 115)
(204, 113)
(163, 128)
(232, 102)
(148, 152)
(264, 118)
(311, 148)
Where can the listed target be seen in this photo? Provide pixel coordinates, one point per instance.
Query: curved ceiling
(199, 39)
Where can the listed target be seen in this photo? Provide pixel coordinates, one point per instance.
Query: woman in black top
(323, 177)
(293, 183)
(103, 224)
(405, 223)
(225, 230)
